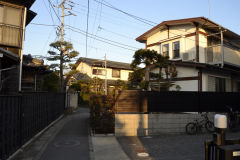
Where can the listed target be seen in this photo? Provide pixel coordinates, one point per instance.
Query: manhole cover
(143, 154)
(67, 143)
(147, 137)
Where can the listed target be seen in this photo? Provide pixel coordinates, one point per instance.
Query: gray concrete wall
(153, 124)
(74, 100)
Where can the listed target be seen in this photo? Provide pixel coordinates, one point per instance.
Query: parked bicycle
(233, 119)
(198, 125)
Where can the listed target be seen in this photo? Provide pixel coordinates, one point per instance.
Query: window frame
(163, 46)
(174, 50)
(119, 73)
(220, 84)
(98, 72)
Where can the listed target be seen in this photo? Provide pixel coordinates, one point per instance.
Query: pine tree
(62, 56)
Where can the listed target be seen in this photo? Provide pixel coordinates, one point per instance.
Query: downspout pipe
(21, 52)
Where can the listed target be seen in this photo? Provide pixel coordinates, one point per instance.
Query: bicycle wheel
(191, 128)
(209, 126)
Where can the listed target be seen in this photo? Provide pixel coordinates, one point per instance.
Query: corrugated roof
(100, 63)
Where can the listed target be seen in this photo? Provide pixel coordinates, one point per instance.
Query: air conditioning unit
(188, 56)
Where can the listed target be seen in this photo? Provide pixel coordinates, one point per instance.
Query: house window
(220, 85)
(165, 49)
(99, 72)
(116, 73)
(176, 49)
(10, 25)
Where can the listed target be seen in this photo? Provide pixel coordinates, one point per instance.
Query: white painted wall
(190, 85)
(86, 69)
(187, 44)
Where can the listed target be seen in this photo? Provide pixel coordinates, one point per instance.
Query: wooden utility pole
(62, 6)
(105, 61)
(222, 48)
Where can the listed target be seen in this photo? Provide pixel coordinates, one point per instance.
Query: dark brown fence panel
(217, 101)
(10, 115)
(172, 101)
(149, 101)
(25, 115)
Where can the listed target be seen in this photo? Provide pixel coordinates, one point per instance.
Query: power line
(87, 29)
(54, 10)
(105, 41)
(102, 37)
(126, 13)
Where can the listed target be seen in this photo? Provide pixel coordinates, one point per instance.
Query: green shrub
(101, 113)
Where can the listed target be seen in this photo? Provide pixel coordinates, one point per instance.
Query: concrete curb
(34, 138)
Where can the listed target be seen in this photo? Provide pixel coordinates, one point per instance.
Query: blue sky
(113, 25)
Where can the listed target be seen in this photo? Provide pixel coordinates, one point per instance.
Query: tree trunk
(61, 71)
(159, 79)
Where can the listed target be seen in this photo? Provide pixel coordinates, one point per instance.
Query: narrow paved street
(72, 140)
(67, 139)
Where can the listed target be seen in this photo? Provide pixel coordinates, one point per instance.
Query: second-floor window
(165, 49)
(116, 73)
(10, 24)
(176, 49)
(99, 72)
(220, 85)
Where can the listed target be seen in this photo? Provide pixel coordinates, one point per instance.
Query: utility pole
(62, 6)
(105, 61)
(222, 48)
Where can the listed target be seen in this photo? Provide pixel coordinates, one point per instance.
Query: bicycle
(196, 126)
(233, 119)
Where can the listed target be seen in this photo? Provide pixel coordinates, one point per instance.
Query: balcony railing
(10, 35)
(214, 55)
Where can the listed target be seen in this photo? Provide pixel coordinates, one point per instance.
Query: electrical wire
(87, 30)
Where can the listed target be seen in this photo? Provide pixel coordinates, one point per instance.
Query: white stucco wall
(188, 85)
(187, 44)
(86, 69)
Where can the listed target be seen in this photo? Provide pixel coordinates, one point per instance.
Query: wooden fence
(23, 116)
(149, 101)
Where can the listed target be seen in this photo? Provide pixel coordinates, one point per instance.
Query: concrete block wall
(153, 124)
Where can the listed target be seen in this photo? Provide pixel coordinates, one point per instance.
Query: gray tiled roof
(110, 64)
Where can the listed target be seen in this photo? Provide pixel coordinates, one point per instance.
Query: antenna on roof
(209, 9)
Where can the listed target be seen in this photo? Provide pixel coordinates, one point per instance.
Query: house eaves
(9, 54)
(200, 21)
(100, 63)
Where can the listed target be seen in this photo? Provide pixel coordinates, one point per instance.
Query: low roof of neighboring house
(201, 21)
(227, 69)
(34, 64)
(100, 63)
(9, 54)
(26, 3)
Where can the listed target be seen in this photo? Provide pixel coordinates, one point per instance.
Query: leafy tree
(144, 56)
(161, 62)
(136, 77)
(96, 85)
(62, 55)
(120, 85)
(51, 82)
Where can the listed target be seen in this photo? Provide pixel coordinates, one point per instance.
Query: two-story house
(14, 17)
(96, 68)
(206, 54)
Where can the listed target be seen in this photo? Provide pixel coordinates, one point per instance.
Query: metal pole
(21, 52)
(105, 59)
(222, 49)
